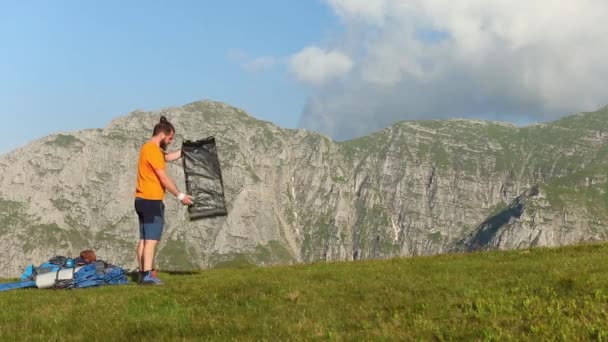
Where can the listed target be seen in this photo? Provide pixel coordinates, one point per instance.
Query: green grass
(11, 214)
(573, 190)
(538, 294)
(64, 140)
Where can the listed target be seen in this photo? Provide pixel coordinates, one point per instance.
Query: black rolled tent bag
(203, 178)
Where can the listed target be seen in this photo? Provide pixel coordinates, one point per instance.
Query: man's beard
(163, 145)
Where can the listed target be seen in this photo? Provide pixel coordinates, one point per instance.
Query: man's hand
(187, 200)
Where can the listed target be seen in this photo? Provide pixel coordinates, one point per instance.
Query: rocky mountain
(415, 188)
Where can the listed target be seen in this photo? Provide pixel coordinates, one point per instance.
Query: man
(152, 182)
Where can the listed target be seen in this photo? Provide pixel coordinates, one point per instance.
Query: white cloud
(368, 10)
(500, 59)
(236, 55)
(260, 64)
(250, 64)
(315, 66)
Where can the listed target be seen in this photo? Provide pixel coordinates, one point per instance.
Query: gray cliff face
(415, 188)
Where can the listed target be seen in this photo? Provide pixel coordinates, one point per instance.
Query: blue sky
(339, 67)
(68, 65)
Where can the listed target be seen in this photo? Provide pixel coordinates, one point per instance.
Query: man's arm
(172, 156)
(170, 186)
(167, 182)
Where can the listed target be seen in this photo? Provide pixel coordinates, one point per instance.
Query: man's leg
(140, 210)
(140, 255)
(153, 232)
(148, 254)
(149, 275)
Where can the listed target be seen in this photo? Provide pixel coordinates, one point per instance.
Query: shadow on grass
(181, 273)
(133, 276)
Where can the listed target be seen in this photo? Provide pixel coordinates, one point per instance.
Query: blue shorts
(151, 214)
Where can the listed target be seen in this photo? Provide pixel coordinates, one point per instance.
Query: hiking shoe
(142, 274)
(150, 279)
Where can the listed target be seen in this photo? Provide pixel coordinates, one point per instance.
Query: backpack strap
(100, 267)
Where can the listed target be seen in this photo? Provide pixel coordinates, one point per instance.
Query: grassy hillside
(538, 152)
(533, 294)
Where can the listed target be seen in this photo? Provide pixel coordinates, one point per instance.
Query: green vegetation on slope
(539, 294)
(586, 188)
(64, 141)
(539, 152)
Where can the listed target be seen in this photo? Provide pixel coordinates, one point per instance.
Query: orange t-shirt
(148, 185)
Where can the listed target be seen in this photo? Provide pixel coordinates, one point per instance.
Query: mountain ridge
(414, 188)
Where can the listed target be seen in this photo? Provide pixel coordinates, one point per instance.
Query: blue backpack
(98, 273)
(53, 265)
